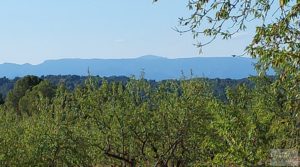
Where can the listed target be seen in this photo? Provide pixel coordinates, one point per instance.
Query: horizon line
(149, 57)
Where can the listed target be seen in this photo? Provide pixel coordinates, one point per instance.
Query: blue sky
(33, 31)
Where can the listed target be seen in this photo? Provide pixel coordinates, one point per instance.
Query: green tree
(29, 103)
(276, 45)
(21, 87)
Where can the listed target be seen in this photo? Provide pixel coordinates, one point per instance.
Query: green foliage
(44, 91)
(172, 123)
(21, 87)
(72, 81)
(275, 45)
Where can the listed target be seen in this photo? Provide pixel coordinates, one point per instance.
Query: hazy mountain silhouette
(155, 67)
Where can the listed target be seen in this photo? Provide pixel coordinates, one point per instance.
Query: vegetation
(170, 123)
(72, 81)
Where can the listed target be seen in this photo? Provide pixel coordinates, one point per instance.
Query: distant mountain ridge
(155, 67)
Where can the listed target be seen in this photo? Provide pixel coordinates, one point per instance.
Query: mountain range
(155, 67)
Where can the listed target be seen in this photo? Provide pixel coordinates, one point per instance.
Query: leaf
(284, 2)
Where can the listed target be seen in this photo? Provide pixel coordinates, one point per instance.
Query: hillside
(157, 68)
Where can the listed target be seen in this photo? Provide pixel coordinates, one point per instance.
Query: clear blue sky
(32, 31)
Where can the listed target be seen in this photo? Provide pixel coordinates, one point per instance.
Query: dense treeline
(72, 81)
(138, 123)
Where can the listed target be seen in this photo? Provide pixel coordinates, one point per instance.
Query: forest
(138, 123)
(72, 81)
(173, 123)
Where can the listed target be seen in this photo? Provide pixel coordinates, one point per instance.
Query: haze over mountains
(155, 67)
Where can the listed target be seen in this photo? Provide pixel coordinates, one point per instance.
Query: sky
(33, 31)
